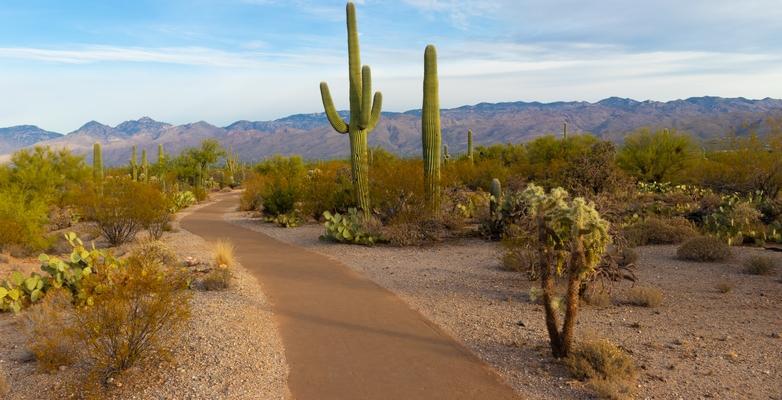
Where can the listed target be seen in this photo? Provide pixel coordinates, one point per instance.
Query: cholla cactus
(364, 113)
(571, 239)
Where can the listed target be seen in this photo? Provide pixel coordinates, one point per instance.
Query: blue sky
(63, 63)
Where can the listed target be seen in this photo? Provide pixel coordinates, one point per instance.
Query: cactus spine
(144, 165)
(469, 145)
(97, 164)
(364, 113)
(133, 164)
(431, 133)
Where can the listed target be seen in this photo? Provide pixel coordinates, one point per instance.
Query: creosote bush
(655, 230)
(645, 297)
(760, 265)
(608, 370)
(50, 327)
(704, 249)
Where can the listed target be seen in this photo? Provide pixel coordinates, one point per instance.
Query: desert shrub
(519, 256)
(350, 228)
(284, 184)
(217, 279)
(224, 253)
(22, 221)
(597, 297)
(608, 369)
(724, 287)
(288, 220)
(61, 218)
(704, 249)
(328, 187)
(51, 176)
(156, 251)
(655, 156)
(49, 330)
(200, 194)
(252, 198)
(139, 312)
(4, 386)
(594, 171)
(645, 297)
(124, 207)
(396, 186)
(654, 230)
(735, 221)
(760, 265)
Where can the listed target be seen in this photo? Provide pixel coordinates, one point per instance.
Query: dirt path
(346, 337)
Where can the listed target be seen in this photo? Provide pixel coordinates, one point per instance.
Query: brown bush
(645, 297)
(704, 249)
(155, 251)
(656, 230)
(136, 318)
(49, 328)
(760, 265)
(607, 368)
(217, 279)
(124, 207)
(597, 297)
(724, 287)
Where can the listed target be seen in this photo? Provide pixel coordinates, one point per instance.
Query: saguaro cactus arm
(366, 97)
(335, 120)
(374, 117)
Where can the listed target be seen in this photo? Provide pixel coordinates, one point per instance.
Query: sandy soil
(230, 350)
(699, 344)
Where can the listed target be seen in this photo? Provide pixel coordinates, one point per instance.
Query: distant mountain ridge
(311, 136)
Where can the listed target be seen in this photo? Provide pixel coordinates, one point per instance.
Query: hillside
(310, 135)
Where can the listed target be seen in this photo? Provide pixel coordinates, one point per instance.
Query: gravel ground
(230, 350)
(699, 344)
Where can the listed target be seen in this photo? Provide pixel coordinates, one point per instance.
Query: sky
(63, 63)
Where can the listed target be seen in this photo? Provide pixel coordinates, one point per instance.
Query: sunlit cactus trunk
(364, 113)
(133, 164)
(144, 166)
(469, 146)
(97, 164)
(431, 133)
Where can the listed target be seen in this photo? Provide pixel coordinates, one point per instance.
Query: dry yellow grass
(645, 296)
(606, 368)
(224, 253)
(4, 387)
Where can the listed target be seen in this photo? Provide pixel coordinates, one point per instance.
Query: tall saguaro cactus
(97, 164)
(133, 164)
(469, 146)
(144, 165)
(430, 126)
(364, 113)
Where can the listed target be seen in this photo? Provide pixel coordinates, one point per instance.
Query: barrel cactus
(431, 132)
(364, 113)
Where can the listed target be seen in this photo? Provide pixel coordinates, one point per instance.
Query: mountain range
(311, 136)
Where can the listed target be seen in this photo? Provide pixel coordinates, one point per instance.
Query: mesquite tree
(364, 113)
(571, 239)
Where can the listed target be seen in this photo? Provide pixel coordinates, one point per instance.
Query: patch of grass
(760, 265)
(724, 287)
(224, 254)
(704, 249)
(606, 368)
(645, 296)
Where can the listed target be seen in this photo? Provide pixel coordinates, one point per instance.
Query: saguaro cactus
(564, 130)
(469, 145)
(144, 165)
(496, 196)
(161, 155)
(364, 113)
(133, 164)
(431, 134)
(97, 164)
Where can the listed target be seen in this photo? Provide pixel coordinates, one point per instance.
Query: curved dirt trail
(346, 337)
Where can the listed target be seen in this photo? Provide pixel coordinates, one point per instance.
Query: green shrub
(656, 156)
(217, 279)
(608, 369)
(760, 265)
(704, 249)
(349, 228)
(22, 221)
(124, 207)
(656, 230)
